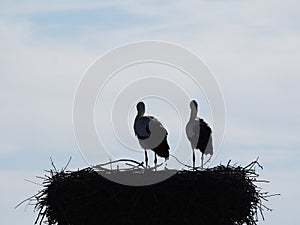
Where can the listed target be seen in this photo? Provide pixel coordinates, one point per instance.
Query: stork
(199, 134)
(151, 134)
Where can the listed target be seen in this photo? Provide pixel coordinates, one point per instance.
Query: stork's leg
(202, 158)
(146, 158)
(155, 160)
(193, 159)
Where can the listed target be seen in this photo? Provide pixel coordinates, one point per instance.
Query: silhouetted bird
(199, 134)
(151, 134)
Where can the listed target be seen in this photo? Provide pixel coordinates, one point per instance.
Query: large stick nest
(222, 195)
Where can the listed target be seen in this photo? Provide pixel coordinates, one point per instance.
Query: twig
(120, 160)
(27, 199)
(53, 164)
(33, 182)
(182, 162)
(67, 163)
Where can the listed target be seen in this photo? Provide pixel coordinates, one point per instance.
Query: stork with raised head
(151, 134)
(199, 134)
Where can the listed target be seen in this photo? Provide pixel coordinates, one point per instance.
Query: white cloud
(16, 7)
(37, 88)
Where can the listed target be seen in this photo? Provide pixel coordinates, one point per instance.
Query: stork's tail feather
(209, 147)
(162, 149)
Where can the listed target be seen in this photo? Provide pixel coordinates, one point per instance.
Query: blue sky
(252, 48)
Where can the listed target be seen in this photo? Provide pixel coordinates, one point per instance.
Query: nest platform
(223, 195)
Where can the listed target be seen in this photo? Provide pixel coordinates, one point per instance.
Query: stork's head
(194, 105)
(140, 108)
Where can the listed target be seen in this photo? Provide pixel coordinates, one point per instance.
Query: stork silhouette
(151, 134)
(199, 134)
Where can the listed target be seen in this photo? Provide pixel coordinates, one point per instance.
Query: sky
(252, 48)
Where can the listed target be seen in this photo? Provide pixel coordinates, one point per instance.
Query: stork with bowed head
(199, 134)
(151, 134)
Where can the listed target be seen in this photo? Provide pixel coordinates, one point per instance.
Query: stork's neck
(193, 114)
(140, 114)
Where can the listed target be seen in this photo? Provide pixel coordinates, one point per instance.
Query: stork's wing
(156, 127)
(147, 125)
(204, 126)
(205, 139)
(158, 134)
(150, 132)
(194, 127)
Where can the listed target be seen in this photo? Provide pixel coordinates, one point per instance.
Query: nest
(225, 194)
